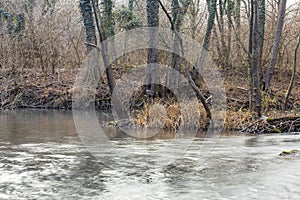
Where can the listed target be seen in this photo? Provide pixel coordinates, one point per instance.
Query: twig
(239, 39)
(252, 124)
(93, 45)
(167, 14)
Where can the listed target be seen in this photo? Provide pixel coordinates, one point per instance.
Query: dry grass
(237, 120)
(172, 116)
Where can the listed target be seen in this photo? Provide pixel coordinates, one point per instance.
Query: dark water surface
(42, 157)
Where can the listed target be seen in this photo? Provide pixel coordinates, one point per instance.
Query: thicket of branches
(45, 35)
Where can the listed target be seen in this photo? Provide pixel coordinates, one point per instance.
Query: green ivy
(126, 18)
(15, 23)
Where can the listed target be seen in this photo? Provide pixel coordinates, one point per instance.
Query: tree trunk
(178, 13)
(210, 23)
(261, 34)
(107, 18)
(191, 81)
(153, 22)
(1, 32)
(88, 21)
(293, 75)
(130, 5)
(237, 14)
(275, 49)
(220, 22)
(103, 48)
(1, 18)
(109, 32)
(212, 5)
(255, 50)
(250, 50)
(237, 20)
(230, 11)
(176, 23)
(193, 12)
(29, 8)
(255, 61)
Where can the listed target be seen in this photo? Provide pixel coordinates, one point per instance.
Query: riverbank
(34, 89)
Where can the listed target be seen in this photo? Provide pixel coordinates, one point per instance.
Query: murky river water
(42, 157)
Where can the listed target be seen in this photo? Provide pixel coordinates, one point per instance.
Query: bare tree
(289, 90)
(275, 49)
(186, 69)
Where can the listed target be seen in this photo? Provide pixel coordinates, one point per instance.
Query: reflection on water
(42, 157)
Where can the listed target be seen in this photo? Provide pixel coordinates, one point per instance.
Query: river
(42, 157)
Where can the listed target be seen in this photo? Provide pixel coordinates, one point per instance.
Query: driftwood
(274, 125)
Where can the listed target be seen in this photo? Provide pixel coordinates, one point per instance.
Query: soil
(34, 89)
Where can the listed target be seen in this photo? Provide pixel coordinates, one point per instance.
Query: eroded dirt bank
(34, 89)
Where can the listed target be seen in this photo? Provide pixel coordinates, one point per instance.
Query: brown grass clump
(172, 116)
(237, 120)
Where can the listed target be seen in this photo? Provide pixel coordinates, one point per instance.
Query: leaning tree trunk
(212, 5)
(186, 69)
(210, 24)
(289, 90)
(275, 49)
(153, 22)
(178, 13)
(104, 32)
